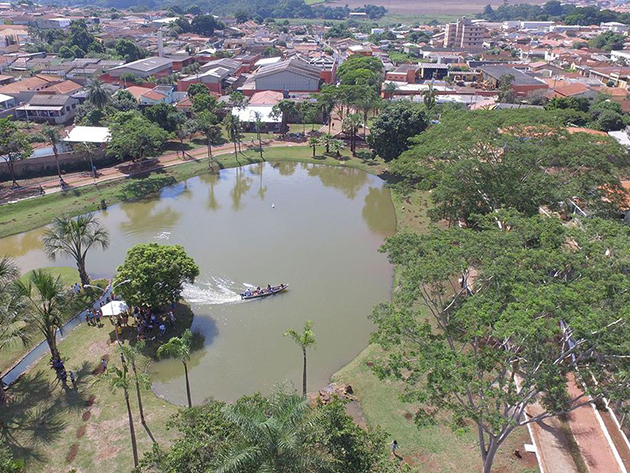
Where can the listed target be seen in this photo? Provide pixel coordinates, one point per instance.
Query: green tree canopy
(14, 145)
(154, 274)
(607, 41)
(164, 115)
(134, 137)
(129, 51)
(489, 321)
(397, 123)
(480, 162)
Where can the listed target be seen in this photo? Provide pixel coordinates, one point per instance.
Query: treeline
(78, 42)
(553, 11)
(262, 9)
(518, 288)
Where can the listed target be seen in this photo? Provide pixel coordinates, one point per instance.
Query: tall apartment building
(464, 34)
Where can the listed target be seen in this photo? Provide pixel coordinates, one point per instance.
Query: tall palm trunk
(209, 147)
(12, 172)
(132, 431)
(187, 384)
(56, 153)
(85, 279)
(235, 149)
(135, 374)
(304, 373)
(51, 340)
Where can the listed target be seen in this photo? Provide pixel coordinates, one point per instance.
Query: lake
(315, 227)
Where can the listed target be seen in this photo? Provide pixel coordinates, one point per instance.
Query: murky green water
(321, 237)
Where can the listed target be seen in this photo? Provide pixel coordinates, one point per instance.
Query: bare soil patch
(428, 7)
(74, 449)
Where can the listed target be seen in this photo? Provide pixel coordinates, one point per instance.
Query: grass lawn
(69, 276)
(434, 448)
(57, 429)
(12, 354)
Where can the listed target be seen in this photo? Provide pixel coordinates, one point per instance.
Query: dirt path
(589, 435)
(51, 184)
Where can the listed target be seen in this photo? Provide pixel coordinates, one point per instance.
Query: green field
(57, 428)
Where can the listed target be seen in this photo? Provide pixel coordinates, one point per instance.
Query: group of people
(62, 374)
(258, 292)
(150, 325)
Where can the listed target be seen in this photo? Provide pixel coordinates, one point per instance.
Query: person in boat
(248, 292)
(269, 287)
(257, 291)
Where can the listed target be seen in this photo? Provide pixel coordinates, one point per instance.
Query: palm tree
(283, 110)
(44, 296)
(87, 149)
(97, 95)
(183, 129)
(74, 237)
(366, 103)
(305, 339)
(141, 379)
(118, 379)
(313, 141)
(12, 325)
(259, 124)
(390, 89)
(179, 347)
(206, 122)
(351, 124)
(326, 102)
(231, 123)
(326, 140)
(273, 438)
(53, 135)
(429, 97)
(337, 146)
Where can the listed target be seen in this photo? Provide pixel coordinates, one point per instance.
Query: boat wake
(163, 236)
(216, 291)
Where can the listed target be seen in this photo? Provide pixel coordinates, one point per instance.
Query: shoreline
(177, 173)
(39, 211)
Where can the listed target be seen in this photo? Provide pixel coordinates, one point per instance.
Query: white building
(54, 23)
(614, 26)
(621, 55)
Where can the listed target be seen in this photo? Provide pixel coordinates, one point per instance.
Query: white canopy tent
(114, 308)
(88, 134)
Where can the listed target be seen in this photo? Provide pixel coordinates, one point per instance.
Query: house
(23, 90)
(6, 102)
(56, 109)
(150, 96)
(143, 68)
(574, 90)
(522, 84)
(214, 79)
(53, 23)
(292, 75)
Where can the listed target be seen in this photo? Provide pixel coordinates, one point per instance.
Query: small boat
(264, 292)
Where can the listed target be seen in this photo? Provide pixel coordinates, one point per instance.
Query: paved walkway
(551, 443)
(51, 184)
(595, 447)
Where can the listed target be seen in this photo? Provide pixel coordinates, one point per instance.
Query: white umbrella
(114, 308)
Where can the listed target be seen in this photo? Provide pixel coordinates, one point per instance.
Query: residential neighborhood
(193, 197)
